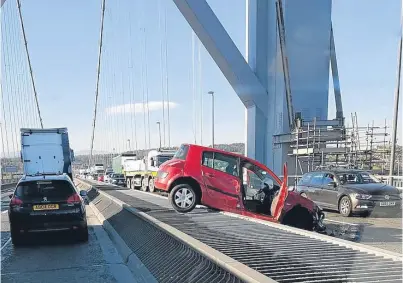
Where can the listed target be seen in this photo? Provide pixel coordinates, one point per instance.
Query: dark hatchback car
(350, 191)
(47, 203)
(117, 179)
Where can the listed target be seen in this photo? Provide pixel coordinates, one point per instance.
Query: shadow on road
(36, 240)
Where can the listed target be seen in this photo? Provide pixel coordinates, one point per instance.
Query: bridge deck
(281, 255)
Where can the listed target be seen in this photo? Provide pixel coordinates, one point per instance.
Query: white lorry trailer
(46, 151)
(141, 173)
(118, 161)
(98, 168)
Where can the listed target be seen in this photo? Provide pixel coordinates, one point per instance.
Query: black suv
(47, 203)
(350, 191)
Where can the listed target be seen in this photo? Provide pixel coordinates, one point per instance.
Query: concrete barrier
(238, 269)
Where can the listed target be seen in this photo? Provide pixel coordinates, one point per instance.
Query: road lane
(384, 233)
(56, 258)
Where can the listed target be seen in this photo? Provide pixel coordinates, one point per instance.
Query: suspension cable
(126, 140)
(4, 125)
(19, 86)
(29, 63)
(16, 96)
(132, 88)
(146, 80)
(97, 83)
(11, 109)
(194, 127)
(143, 92)
(162, 68)
(166, 76)
(107, 101)
(114, 119)
(200, 92)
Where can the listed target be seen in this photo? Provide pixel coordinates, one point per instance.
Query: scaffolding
(314, 146)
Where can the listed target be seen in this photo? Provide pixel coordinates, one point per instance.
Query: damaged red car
(234, 183)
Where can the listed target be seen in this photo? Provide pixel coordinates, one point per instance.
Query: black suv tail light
(15, 201)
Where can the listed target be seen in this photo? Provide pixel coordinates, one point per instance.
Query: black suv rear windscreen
(55, 189)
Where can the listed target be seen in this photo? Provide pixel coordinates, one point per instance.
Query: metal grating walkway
(280, 255)
(166, 258)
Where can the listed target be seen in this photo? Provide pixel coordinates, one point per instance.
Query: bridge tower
(308, 50)
(260, 81)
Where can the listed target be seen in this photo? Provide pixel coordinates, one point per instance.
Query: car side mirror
(332, 184)
(83, 193)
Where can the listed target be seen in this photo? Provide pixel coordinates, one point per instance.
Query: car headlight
(362, 196)
(162, 174)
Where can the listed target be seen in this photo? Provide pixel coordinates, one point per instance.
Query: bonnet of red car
(179, 163)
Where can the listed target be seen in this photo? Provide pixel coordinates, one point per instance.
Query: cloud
(139, 107)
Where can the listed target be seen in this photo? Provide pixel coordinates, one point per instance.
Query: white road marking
(6, 243)
(335, 221)
(148, 193)
(5, 211)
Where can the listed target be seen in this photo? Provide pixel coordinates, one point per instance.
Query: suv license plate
(46, 207)
(387, 203)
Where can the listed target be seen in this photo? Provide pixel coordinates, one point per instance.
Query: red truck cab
(234, 183)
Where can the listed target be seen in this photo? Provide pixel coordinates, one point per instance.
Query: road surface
(384, 233)
(55, 258)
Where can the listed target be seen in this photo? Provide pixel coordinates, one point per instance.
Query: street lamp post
(212, 117)
(396, 104)
(112, 156)
(128, 140)
(159, 132)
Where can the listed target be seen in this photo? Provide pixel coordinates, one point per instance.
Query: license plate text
(46, 207)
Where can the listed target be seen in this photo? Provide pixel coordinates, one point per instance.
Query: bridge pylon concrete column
(308, 38)
(259, 83)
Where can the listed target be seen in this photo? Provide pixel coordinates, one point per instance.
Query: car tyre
(345, 206)
(82, 235)
(183, 198)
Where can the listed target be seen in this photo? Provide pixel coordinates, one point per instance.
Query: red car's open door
(282, 195)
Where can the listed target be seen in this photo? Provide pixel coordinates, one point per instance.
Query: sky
(63, 44)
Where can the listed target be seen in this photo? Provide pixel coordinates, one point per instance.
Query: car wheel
(183, 198)
(345, 206)
(144, 184)
(16, 238)
(151, 186)
(82, 235)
